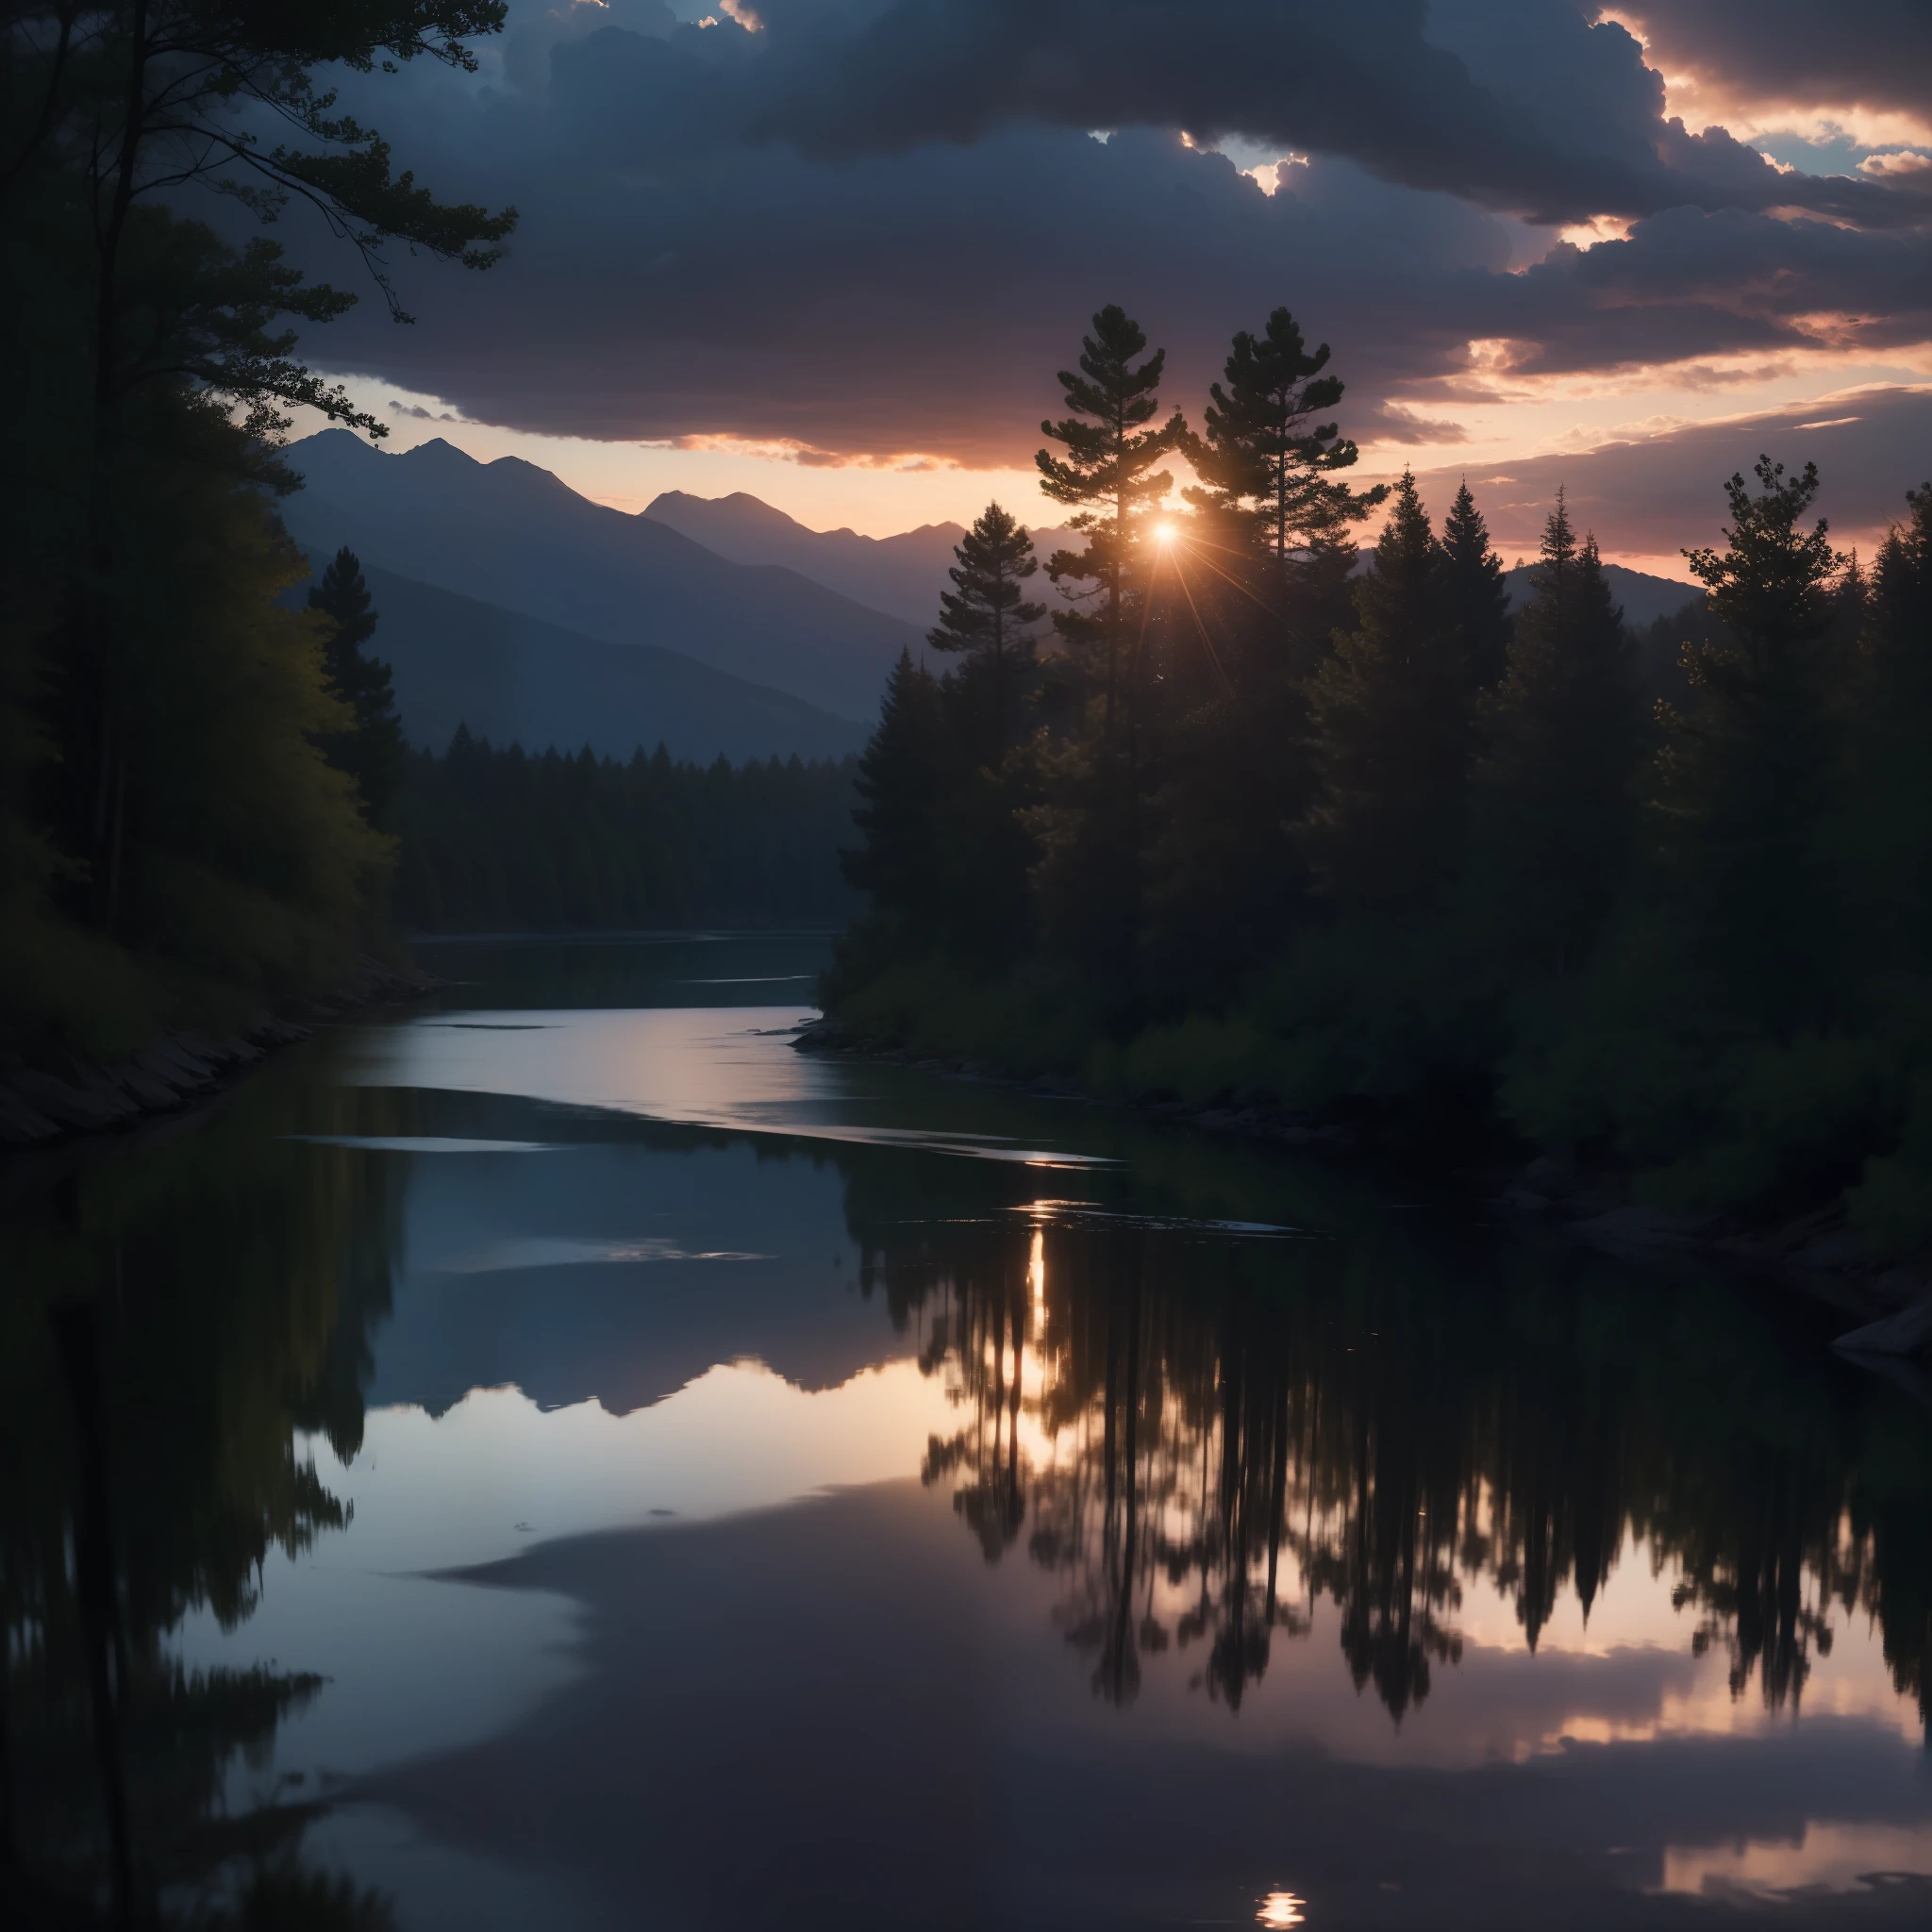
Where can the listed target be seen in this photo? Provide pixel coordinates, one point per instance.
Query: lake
(574, 1461)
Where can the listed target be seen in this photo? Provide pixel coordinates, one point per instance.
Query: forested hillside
(498, 841)
(1371, 846)
(183, 828)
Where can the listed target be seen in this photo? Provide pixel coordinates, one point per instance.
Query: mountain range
(510, 534)
(514, 679)
(1645, 598)
(902, 576)
(714, 625)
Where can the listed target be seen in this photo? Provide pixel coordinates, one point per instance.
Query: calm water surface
(576, 1462)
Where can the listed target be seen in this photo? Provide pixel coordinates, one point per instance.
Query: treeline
(183, 830)
(1262, 823)
(498, 839)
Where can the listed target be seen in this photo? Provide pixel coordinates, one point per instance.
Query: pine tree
(1479, 600)
(1262, 460)
(1555, 788)
(1891, 840)
(1747, 772)
(988, 616)
(1392, 720)
(1109, 476)
(900, 785)
(372, 751)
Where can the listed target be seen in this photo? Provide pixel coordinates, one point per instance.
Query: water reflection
(1202, 1438)
(220, 1289)
(501, 1456)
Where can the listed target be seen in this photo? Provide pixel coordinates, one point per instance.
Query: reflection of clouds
(1827, 1855)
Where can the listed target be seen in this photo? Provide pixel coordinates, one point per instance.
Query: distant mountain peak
(670, 506)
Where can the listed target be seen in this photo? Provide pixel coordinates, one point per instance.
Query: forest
(185, 834)
(1263, 811)
(493, 839)
(1258, 816)
(206, 805)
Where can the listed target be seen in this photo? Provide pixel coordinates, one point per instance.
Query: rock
(1526, 1202)
(1638, 1226)
(172, 1070)
(169, 1050)
(1552, 1176)
(1900, 1334)
(66, 1105)
(20, 1125)
(97, 1087)
(145, 1089)
(1836, 1247)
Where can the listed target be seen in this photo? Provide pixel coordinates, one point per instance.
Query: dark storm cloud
(923, 301)
(1871, 52)
(1517, 104)
(1687, 284)
(684, 268)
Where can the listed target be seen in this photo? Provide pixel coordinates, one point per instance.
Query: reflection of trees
(1199, 1438)
(235, 1276)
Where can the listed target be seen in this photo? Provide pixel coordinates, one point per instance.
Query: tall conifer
(1263, 457)
(1748, 768)
(1391, 720)
(900, 785)
(1112, 480)
(372, 751)
(1890, 844)
(1479, 600)
(1557, 785)
(988, 616)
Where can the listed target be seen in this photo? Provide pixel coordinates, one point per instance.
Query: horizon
(1513, 562)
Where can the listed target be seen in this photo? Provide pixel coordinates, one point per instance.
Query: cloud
(1523, 105)
(1652, 496)
(823, 240)
(1859, 53)
(1394, 421)
(1907, 170)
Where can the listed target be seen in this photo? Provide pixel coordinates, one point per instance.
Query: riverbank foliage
(497, 840)
(1349, 835)
(176, 840)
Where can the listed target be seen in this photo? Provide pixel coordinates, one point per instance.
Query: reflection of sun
(1281, 1908)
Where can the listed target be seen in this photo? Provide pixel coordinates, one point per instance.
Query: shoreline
(1817, 1254)
(54, 1096)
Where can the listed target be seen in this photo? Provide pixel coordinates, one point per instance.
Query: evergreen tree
(1478, 598)
(1110, 477)
(1747, 771)
(1390, 710)
(900, 788)
(1262, 460)
(1890, 842)
(1557, 786)
(986, 615)
(371, 750)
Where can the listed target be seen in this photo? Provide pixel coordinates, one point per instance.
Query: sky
(832, 252)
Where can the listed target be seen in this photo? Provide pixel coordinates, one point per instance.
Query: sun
(1165, 533)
